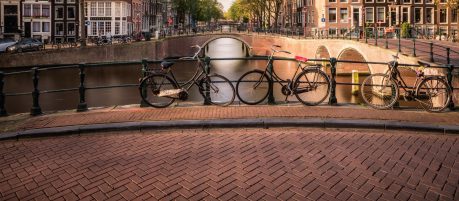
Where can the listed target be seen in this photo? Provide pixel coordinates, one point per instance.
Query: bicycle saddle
(424, 64)
(166, 64)
(300, 58)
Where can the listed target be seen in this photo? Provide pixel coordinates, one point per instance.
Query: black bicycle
(382, 90)
(311, 86)
(161, 89)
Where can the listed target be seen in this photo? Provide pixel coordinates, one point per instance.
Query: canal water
(130, 74)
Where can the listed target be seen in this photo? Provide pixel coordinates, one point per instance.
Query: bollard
(431, 52)
(414, 47)
(207, 99)
(448, 52)
(450, 83)
(355, 82)
(387, 42)
(144, 74)
(82, 106)
(271, 100)
(2, 96)
(36, 109)
(332, 100)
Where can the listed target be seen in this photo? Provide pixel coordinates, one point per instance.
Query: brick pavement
(237, 164)
(136, 114)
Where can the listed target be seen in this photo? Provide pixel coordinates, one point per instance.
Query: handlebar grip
(278, 46)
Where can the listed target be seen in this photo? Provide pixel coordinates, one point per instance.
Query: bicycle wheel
(151, 87)
(379, 91)
(433, 94)
(311, 87)
(253, 87)
(218, 89)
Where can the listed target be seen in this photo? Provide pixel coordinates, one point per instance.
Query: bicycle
(161, 89)
(381, 90)
(311, 86)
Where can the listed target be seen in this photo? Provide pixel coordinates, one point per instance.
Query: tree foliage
(263, 12)
(198, 10)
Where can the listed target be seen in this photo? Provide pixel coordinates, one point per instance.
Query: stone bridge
(179, 46)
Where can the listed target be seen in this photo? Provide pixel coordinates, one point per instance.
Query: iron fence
(143, 71)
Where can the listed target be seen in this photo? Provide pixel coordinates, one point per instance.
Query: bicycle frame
(200, 71)
(395, 74)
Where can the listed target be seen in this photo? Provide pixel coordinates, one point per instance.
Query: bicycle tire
(427, 89)
(220, 90)
(320, 84)
(152, 85)
(248, 83)
(385, 97)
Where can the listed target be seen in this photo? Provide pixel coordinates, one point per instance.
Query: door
(27, 30)
(356, 17)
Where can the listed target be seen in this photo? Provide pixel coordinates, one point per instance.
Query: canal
(130, 74)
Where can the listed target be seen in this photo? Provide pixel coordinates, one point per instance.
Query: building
(10, 19)
(109, 18)
(426, 17)
(36, 19)
(64, 20)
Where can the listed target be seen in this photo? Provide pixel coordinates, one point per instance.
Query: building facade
(36, 19)
(10, 19)
(64, 21)
(109, 18)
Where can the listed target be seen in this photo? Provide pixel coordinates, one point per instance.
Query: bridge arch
(351, 54)
(245, 46)
(322, 53)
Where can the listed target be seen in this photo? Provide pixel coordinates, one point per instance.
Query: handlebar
(195, 54)
(276, 51)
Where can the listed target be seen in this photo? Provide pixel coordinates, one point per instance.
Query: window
(59, 28)
(45, 27)
(93, 9)
(443, 16)
(381, 14)
(36, 10)
(59, 12)
(45, 10)
(71, 29)
(117, 9)
(429, 15)
(36, 26)
(70, 12)
(417, 15)
(108, 9)
(332, 15)
(369, 15)
(100, 9)
(27, 10)
(108, 28)
(100, 26)
(59, 1)
(454, 16)
(94, 28)
(343, 14)
(405, 15)
(117, 28)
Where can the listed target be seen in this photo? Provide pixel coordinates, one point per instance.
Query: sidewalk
(126, 114)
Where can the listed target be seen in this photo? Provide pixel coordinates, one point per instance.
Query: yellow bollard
(355, 80)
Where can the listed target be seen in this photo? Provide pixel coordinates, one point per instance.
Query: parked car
(5, 43)
(26, 44)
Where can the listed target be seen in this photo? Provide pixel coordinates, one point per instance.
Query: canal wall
(180, 46)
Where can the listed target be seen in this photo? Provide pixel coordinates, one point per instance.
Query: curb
(232, 123)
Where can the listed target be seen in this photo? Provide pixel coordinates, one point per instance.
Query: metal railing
(143, 70)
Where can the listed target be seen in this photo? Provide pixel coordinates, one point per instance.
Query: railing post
(431, 52)
(376, 37)
(450, 83)
(448, 58)
(271, 100)
(333, 100)
(414, 47)
(36, 109)
(207, 100)
(82, 106)
(2, 96)
(365, 33)
(387, 41)
(399, 41)
(144, 74)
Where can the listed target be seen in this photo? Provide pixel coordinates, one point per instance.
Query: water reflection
(130, 74)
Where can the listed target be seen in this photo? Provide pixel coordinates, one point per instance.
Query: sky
(226, 3)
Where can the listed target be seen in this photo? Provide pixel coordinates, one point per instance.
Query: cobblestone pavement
(238, 164)
(136, 114)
